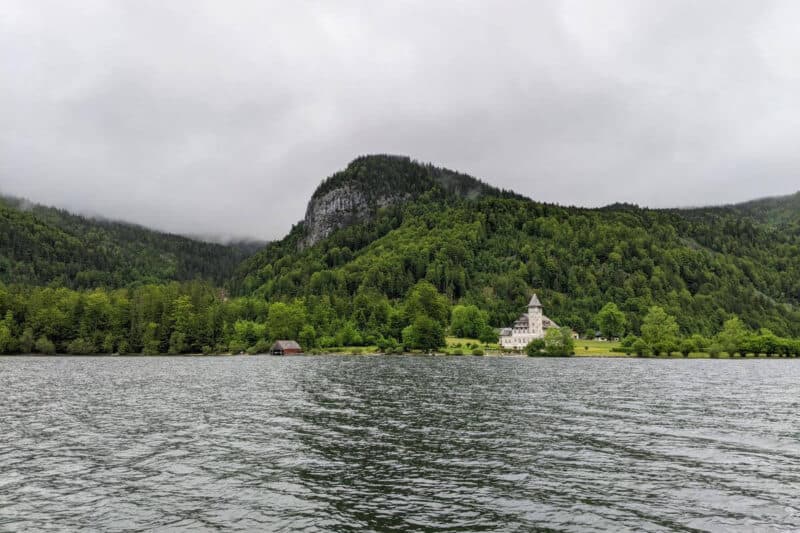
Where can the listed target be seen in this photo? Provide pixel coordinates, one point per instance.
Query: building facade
(527, 327)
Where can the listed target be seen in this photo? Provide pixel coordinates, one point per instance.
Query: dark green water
(398, 444)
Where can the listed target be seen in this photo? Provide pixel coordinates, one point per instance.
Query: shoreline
(412, 354)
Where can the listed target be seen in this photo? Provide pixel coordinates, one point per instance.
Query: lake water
(398, 444)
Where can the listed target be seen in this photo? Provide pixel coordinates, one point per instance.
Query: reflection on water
(398, 443)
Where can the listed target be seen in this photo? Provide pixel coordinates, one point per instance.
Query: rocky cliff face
(372, 182)
(339, 208)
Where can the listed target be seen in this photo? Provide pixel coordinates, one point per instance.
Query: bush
(207, 350)
(457, 351)
(628, 341)
(686, 347)
(261, 346)
(535, 347)
(714, 350)
(123, 348)
(177, 343)
(81, 347)
(356, 351)
(559, 342)
(477, 351)
(236, 347)
(45, 346)
(640, 348)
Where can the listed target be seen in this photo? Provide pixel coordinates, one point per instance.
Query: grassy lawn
(583, 348)
(592, 348)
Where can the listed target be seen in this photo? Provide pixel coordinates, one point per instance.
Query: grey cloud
(221, 118)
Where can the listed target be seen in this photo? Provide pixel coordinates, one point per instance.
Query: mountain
(781, 212)
(43, 245)
(386, 222)
(370, 183)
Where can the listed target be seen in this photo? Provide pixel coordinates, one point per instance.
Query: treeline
(660, 336)
(46, 246)
(493, 252)
(195, 317)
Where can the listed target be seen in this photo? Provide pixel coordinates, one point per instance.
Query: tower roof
(534, 301)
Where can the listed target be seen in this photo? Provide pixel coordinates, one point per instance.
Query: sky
(220, 118)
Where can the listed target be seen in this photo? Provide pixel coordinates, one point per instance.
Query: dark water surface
(398, 443)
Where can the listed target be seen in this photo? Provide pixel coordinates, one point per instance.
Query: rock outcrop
(373, 182)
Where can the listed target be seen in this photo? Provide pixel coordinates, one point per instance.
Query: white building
(527, 327)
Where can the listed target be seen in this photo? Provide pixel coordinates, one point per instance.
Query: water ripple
(398, 444)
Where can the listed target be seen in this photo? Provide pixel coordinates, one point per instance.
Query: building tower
(535, 322)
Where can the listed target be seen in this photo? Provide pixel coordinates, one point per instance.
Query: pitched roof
(534, 301)
(548, 323)
(286, 345)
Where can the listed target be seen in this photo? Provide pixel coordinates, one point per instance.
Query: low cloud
(221, 118)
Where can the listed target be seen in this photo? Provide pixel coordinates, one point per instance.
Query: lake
(349, 443)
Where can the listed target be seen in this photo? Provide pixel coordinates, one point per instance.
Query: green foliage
(81, 347)
(7, 343)
(660, 330)
(535, 347)
(732, 339)
(424, 333)
(424, 299)
(285, 320)
(45, 346)
(260, 347)
(640, 347)
(558, 342)
(308, 337)
(714, 350)
(492, 250)
(42, 245)
(477, 352)
(396, 272)
(686, 347)
(468, 321)
(612, 321)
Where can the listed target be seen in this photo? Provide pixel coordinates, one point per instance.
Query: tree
(732, 337)
(660, 330)
(284, 321)
(177, 343)
(26, 340)
(307, 337)
(348, 335)
(640, 348)
(6, 340)
(151, 344)
(686, 347)
(558, 342)
(45, 346)
(468, 321)
(424, 333)
(424, 299)
(81, 347)
(488, 335)
(535, 347)
(612, 321)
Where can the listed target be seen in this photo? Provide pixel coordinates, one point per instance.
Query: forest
(454, 258)
(46, 246)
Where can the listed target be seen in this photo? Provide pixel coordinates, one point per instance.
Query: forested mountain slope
(780, 212)
(492, 249)
(42, 245)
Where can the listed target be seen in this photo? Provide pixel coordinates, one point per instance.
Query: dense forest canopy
(456, 255)
(702, 265)
(43, 245)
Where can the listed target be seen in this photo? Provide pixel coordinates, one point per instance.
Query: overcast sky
(222, 117)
